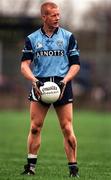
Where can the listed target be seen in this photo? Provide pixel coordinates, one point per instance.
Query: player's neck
(48, 30)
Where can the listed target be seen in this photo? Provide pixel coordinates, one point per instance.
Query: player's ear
(43, 17)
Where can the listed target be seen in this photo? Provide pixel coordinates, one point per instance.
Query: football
(50, 92)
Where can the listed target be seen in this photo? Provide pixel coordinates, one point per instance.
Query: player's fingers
(61, 95)
(37, 92)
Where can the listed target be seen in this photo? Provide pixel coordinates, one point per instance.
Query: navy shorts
(67, 96)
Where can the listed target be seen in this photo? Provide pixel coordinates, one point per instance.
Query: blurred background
(89, 20)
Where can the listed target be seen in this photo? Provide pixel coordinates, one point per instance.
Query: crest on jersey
(59, 43)
(39, 45)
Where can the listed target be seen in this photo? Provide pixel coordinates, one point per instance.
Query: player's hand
(36, 85)
(62, 86)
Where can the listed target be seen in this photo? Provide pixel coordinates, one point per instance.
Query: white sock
(31, 156)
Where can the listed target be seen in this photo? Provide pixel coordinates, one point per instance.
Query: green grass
(93, 131)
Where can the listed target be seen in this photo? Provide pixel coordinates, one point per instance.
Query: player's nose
(57, 17)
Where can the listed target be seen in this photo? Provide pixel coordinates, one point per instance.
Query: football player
(55, 56)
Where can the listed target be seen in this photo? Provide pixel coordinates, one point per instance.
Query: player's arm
(26, 70)
(26, 61)
(73, 57)
(74, 69)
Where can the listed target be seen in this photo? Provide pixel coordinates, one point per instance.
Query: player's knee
(33, 131)
(36, 128)
(66, 130)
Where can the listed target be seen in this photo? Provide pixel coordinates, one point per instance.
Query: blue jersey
(51, 56)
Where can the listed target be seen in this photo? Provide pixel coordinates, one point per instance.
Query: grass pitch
(93, 131)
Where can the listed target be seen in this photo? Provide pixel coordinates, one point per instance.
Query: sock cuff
(32, 156)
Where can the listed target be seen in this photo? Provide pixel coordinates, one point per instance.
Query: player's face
(52, 18)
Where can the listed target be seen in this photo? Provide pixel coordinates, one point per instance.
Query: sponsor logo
(39, 45)
(49, 88)
(50, 53)
(59, 43)
(70, 100)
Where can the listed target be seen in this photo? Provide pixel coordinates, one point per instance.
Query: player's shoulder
(65, 32)
(34, 34)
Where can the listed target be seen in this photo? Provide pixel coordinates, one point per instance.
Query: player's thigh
(65, 114)
(37, 112)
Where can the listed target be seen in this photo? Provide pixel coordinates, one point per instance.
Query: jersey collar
(55, 31)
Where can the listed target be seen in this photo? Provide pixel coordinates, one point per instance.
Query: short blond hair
(45, 6)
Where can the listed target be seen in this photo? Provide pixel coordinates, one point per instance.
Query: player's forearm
(74, 69)
(27, 73)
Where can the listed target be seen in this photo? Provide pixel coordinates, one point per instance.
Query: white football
(50, 92)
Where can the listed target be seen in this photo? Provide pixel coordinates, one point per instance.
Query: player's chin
(56, 25)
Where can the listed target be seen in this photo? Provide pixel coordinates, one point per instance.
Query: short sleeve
(27, 51)
(73, 51)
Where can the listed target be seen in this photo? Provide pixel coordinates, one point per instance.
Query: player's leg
(65, 115)
(37, 115)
